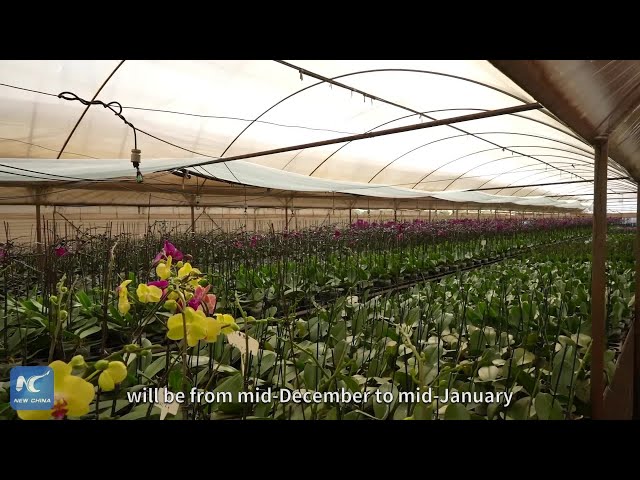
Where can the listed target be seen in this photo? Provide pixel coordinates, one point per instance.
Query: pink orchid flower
(198, 297)
(210, 302)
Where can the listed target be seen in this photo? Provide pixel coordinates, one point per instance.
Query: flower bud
(102, 365)
(131, 348)
(203, 282)
(145, 353)
(179, 264)
(171, 305)
(77, 361)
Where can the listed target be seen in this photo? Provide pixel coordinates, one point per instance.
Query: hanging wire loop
(115, 107)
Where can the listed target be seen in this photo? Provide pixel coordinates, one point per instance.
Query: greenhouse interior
(319, 240)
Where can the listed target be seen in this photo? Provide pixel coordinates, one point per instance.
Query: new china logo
(31, 388)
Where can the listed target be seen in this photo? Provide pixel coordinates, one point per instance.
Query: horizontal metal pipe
(379, 133)
(542, 185)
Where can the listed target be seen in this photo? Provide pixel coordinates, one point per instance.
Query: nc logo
(31, 388)
(30, 383)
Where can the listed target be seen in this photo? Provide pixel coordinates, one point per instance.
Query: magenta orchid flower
(61, 251)
(162, 284)
(169, 250)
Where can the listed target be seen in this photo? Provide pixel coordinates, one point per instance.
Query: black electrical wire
(219, 117)
(36, 194)
(23, 174)
(27, 89)
(116, 108)
(111, 106)
(116, 105)
(72, 97)
(66, 177)
(45, 148)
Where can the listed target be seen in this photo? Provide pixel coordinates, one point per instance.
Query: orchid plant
(180, 289)
(183, 291)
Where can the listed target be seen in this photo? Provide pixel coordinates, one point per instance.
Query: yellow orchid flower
(123, 305)
(115, 373)
(122, 288)
(214, 327)
(196, 326)
(219, 324)
(72, 396)
(149, 294)
(123, 298)
(163, 270)
(185, 270)
(227, 322)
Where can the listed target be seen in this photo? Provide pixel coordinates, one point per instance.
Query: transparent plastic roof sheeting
(201, 110)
